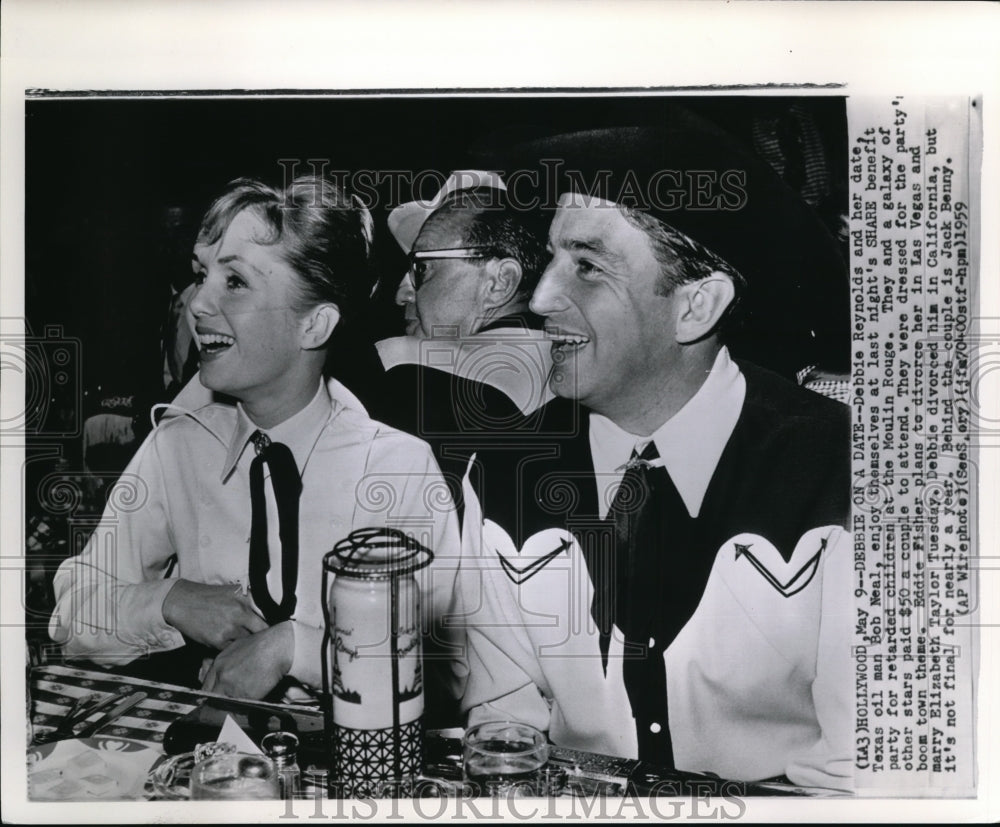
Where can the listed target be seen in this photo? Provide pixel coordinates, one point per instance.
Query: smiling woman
(221, 550)
(269, 294)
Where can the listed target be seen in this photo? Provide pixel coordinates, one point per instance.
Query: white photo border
(703, 48)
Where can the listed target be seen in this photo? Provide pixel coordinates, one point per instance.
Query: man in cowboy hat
(671, 582)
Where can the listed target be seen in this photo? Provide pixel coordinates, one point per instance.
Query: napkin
(232, 733)
(84, 769)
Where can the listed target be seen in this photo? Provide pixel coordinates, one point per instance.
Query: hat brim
(406, 221)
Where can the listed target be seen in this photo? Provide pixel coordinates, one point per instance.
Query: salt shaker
(282, 749)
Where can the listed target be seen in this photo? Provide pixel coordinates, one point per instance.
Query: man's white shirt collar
(690, 443)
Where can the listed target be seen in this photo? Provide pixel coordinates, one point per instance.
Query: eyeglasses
(418, 267)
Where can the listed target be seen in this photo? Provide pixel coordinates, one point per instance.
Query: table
(55, 688)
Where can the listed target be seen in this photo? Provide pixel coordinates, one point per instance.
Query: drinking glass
(235, 776)
(501, 757)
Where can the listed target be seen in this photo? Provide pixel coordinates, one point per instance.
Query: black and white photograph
(534, 450)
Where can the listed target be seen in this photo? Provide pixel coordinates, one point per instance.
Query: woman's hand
(213, 615)
(252, 666)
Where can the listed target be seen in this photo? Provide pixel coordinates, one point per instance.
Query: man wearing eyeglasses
(473, 369)
(468, 228)
(475, 361)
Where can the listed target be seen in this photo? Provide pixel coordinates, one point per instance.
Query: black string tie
(287, 486)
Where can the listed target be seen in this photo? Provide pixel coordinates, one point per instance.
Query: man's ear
(318, 324)
(502, 283)
(701, 306)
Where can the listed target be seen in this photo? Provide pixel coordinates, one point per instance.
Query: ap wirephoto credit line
(915, 434)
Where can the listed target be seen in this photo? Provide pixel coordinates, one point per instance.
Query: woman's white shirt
(182, 509)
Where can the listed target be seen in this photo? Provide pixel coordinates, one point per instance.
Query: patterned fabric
(827, 384)
(56, 688)
(835, 389)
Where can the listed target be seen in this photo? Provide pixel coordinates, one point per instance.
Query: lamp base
(369, 762)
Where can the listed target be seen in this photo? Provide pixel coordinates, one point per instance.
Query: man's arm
(829, 763)
(491, 671)
(504, 675)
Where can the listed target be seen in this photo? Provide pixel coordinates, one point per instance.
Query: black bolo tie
(287, 487)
